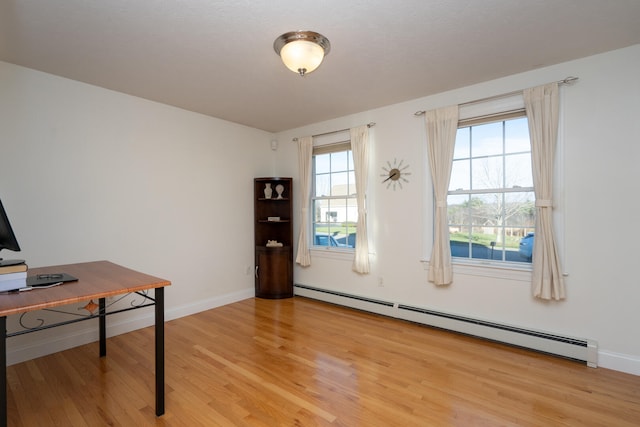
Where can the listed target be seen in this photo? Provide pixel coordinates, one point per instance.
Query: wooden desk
(97, 280)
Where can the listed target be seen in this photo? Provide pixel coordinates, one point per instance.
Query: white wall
(90, 174)
(598, 199)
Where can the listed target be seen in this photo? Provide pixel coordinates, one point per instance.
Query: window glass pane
(458, 211)
(516, 133)
(460, 175)
(520, 210)
(340, 228)
(326, 216)
(322, 236)
(486, 209)
(460, 238)
(486, 139)
(481, 242)
(323, 185)
(518, 170)
(320, 208)
(487, 173)
(339, 161)
(322, 163)
(461, 149)
(525, 247)
(339, 184)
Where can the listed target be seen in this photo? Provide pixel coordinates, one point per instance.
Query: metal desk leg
(159, 294)
(103, 326)
(3, 374)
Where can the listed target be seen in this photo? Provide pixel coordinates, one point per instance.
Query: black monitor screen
(7, 238)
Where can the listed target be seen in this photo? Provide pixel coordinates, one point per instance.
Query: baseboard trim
(619, 362)
(48, 343)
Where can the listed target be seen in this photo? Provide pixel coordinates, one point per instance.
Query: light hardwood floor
(299, 362)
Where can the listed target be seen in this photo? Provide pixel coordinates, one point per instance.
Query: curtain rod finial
(569, 80)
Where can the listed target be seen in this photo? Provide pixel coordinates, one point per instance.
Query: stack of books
(13, 277)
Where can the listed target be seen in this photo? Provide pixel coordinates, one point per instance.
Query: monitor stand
(8, 262)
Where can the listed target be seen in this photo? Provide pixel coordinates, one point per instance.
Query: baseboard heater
(573, 348)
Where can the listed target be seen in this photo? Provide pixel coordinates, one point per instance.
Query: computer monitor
(7, 238)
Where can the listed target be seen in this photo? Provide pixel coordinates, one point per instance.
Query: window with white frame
(491, 202)
(334, 208)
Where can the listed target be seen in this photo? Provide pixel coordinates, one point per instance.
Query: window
(491, 202)
(333, 197)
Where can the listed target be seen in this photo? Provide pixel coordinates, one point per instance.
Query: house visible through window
(333, 197)
(490, 201)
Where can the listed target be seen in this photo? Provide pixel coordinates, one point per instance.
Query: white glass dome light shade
(302, 51)
(302, 56)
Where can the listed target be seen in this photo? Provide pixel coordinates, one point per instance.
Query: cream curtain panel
(360, 150)
(305, 152)
(442, 126)
(541, 104)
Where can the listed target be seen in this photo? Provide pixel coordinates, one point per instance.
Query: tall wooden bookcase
(273, 222)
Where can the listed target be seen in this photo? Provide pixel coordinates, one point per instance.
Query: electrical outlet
(380, 282)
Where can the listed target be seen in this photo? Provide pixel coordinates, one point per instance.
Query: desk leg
(3, 374)
(102, 319)
(159, 294)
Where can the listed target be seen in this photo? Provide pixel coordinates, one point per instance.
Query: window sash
(477, 120)
(329, 148)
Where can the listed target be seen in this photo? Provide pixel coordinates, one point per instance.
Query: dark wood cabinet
(273, 231)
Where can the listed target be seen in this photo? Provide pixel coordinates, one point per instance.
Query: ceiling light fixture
(302, 51)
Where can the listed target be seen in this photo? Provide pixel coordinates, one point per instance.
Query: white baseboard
(619, 362)
(52, 341)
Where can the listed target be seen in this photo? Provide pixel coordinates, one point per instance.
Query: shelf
(274, 248)
(274, 264)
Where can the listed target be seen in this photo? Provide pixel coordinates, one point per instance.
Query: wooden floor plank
(299, 362)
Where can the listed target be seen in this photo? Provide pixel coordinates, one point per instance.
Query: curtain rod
(369, 125)
(566, 81)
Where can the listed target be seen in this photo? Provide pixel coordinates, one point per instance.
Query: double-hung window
(333, 197)
(491, 202)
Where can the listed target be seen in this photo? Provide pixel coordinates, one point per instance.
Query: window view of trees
(490, 199)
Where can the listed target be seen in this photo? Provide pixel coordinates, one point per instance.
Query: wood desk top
(98, 279)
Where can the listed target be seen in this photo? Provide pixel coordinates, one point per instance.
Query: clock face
(395, 174)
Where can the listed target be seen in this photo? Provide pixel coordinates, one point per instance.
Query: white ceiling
(216, 56)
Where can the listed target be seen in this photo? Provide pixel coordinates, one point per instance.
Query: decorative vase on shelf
(267, 190)
(279, 190)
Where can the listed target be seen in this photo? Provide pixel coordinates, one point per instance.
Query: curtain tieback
(441, 204)
(362, 211)
(544, 203)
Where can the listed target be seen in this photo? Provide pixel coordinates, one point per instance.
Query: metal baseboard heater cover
(573, 348)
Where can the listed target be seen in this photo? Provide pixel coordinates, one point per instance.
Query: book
(12, 276)
(12, 281)
(13, 268)
(13, 285)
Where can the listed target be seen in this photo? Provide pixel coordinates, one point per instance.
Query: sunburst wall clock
(395, 174)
